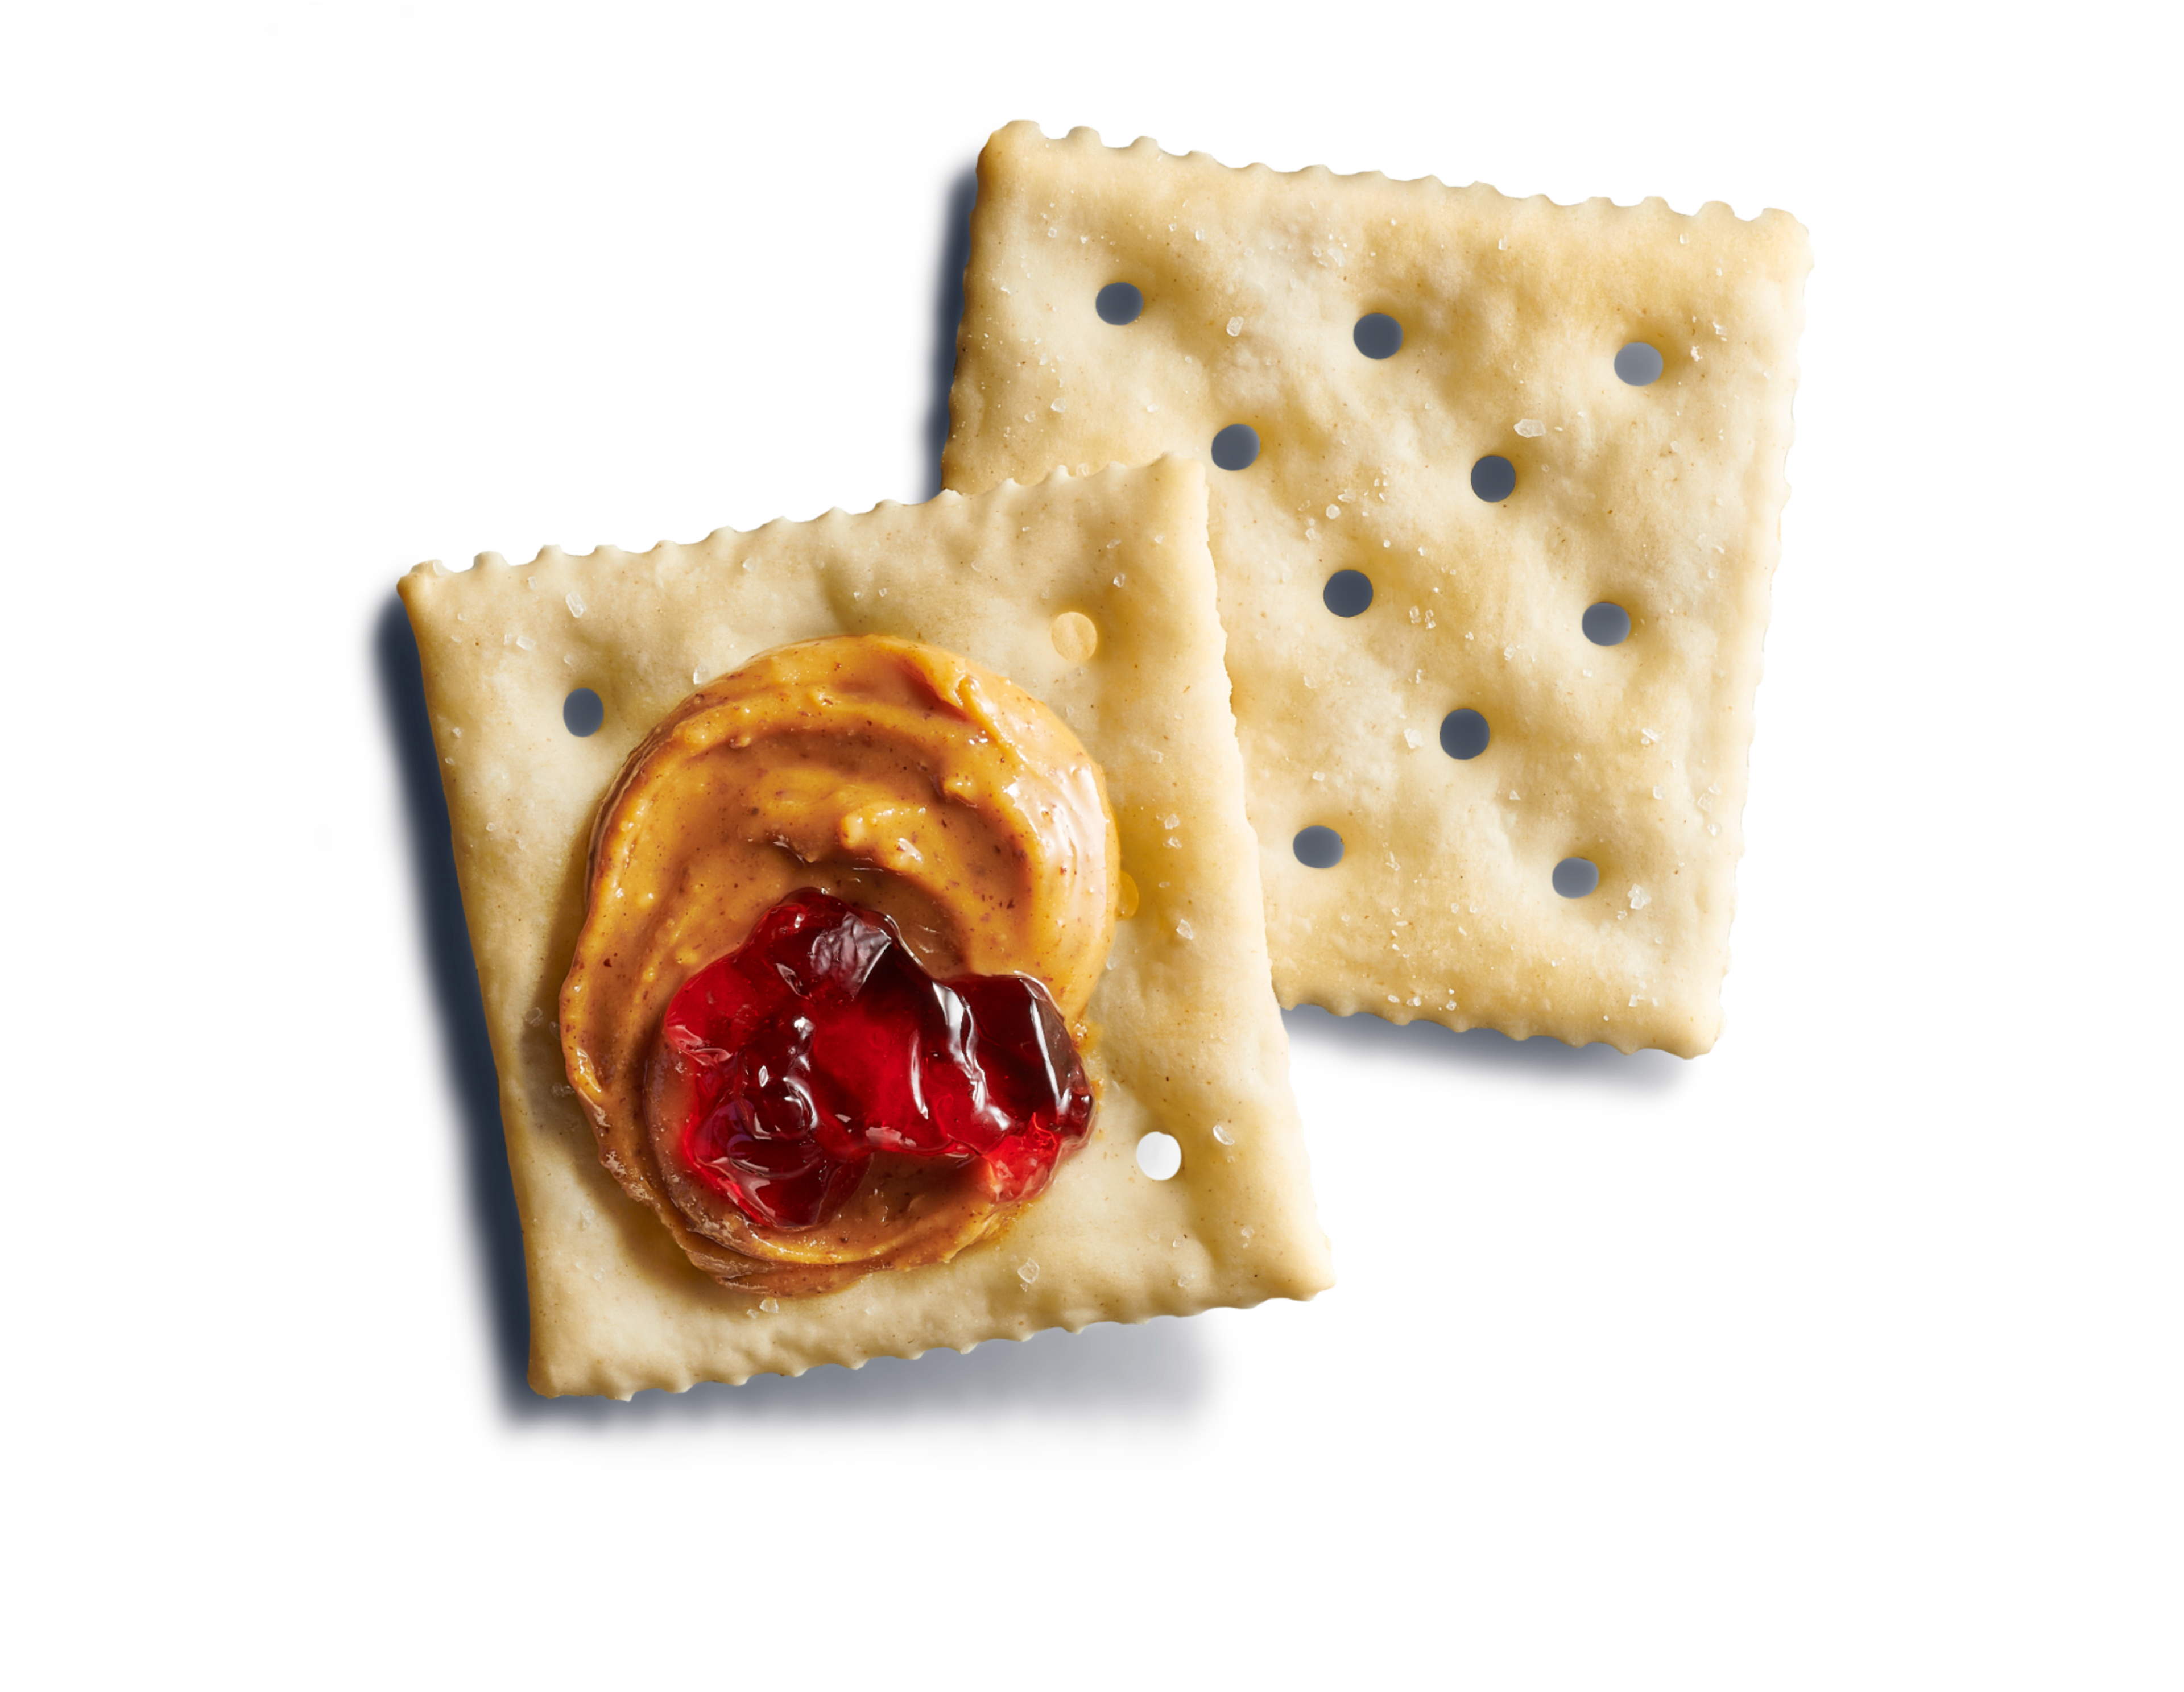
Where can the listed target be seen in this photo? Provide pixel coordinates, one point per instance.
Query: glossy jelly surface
(821, 1041)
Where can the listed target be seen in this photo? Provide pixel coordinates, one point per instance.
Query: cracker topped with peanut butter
(862, 962)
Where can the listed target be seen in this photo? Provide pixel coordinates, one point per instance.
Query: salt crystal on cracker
(1504, 450)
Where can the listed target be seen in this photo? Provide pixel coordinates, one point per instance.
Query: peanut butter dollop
(892, 775)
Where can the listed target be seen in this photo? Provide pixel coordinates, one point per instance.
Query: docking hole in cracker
(1530, 458)
(830, 1020)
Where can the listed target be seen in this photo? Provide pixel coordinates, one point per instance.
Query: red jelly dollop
(821, 1041)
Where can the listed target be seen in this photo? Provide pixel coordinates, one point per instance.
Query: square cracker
(1666, 499)
(1188, 1037)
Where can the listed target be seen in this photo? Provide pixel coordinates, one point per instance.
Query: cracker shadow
(940, 315)
(1488, 1062)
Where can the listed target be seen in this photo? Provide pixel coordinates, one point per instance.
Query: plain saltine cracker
(1187, 1038)
(1664, 498)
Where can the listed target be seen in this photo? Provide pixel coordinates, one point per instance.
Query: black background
(634, 330)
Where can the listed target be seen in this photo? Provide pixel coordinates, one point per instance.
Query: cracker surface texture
(1664, 500)
(1186, 1037)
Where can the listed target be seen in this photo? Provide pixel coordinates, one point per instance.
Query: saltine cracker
(1664, 498)
(1186, 1037)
